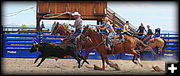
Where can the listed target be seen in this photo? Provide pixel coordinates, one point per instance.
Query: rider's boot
(109, 47)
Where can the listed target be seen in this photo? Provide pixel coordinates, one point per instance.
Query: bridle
(91, 41)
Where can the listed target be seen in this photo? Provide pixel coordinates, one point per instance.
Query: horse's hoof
(97, 68)
(141, 65)
(37, 65)
(118, 69)
(81, 65)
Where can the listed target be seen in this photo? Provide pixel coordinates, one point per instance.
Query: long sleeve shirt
(141, 29)
(149, 32)
(109, 28)
(78, 23)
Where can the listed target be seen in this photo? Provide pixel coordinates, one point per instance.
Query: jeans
(109, 38)
(76, 33)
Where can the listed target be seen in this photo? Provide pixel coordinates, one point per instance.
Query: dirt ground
(69, 66)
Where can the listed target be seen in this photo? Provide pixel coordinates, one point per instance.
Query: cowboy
(77, 25)
(110, 31)
(119, 32)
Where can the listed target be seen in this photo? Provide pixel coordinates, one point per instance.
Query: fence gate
(18, 43)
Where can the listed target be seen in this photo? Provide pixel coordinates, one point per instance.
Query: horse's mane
(95, 33)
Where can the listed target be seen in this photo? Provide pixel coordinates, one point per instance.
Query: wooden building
(89, 10)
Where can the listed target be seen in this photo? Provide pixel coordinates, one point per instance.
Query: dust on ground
(69, 66)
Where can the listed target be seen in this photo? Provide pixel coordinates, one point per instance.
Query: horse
(128, 46)
(60, 29)
(82, 42)
(157, 42)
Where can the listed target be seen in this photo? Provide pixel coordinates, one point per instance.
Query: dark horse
(128, 46)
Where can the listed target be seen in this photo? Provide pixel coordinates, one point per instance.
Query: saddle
(115, 40)
(148, 40)
(115, 37)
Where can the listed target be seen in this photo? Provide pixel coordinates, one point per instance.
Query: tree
(23, 26)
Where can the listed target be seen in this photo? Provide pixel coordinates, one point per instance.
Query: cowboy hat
(76, 14)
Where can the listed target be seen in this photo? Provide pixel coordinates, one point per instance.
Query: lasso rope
(50, 15)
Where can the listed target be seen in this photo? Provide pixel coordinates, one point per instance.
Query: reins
(91, 41)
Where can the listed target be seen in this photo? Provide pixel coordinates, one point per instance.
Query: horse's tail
(164, 44)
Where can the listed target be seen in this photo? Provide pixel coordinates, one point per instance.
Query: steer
(54, 50)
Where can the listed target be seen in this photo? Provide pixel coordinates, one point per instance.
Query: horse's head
(34, 47)
(62, 30)
(86, 31)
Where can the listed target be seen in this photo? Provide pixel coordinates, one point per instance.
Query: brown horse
(157, 42)
(128, 46)
(60, 29)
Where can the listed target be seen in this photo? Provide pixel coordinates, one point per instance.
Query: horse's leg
(139, 61)
(133, 59)
(41, 61)
(111, 64)
(37, 58)
(103, 64)
(105, 58)
(83, 58)
(135, 54)
(86, 55)
(77, 59)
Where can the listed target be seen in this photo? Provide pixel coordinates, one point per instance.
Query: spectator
(148, 35)
(141, 29)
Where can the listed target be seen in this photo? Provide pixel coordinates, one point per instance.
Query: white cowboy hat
(76, 14)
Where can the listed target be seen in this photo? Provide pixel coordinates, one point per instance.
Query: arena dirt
(69, 66)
